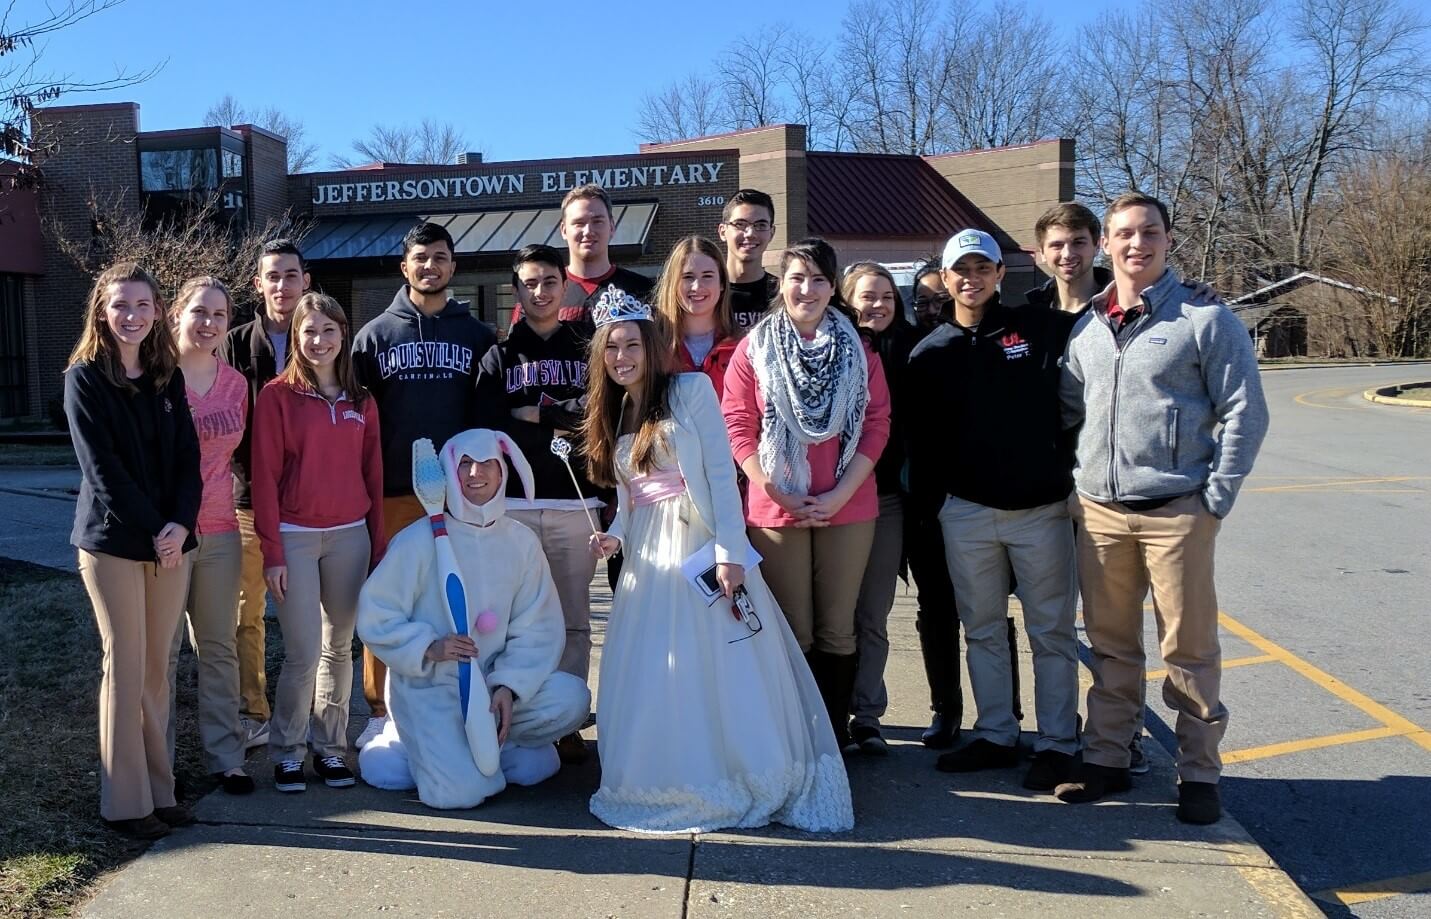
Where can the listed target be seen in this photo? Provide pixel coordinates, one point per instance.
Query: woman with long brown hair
(318, 510)
(693, 296)
(707, 672)
(139, 497)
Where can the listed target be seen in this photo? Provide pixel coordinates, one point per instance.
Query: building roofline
(645, 147)
(1036, 143)
(1250, 300)
(369, 169)
(247, 128)
(87, 107)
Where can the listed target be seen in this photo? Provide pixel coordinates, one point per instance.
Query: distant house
(1307, 315)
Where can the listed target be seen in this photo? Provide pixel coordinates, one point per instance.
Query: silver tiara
(616, 305)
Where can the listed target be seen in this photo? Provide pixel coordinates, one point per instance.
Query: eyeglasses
(746, 608)
(759, 226)
(924, 303)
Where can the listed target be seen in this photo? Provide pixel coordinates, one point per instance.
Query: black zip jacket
(894, 346)
(982, 415)
(1047, 295)
(423, 371)
(527, 370)
(133, 485)
(248, 350)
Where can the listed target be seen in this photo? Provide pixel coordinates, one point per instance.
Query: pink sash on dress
(658, 486)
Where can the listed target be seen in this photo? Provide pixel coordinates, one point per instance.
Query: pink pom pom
(486, 622)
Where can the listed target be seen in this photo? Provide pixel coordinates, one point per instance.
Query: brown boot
(572, 749)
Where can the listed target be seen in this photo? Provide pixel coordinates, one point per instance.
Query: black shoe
(150, 827)
(288, 776)
(178, 815)
(240, 783)
(1050, 769)
(868, 739)
(1090, 782)
(979, 754)
(334, 771)
(571, 749)
(942, 733)
(1199, 802)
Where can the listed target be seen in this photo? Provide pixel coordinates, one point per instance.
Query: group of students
(755, 455)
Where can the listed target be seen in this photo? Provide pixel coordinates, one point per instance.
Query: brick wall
(1012, 185)
(82, 148)
(267, 173)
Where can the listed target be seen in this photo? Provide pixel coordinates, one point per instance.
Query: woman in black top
(134, 437)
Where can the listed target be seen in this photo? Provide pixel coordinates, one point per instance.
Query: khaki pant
(249, 638)
(815, 574)
(213, 584)
(872, 608)
(565, 538)
(1120, 555)
(326, 570)
(984, 545)
(398, 512)
(137, 606)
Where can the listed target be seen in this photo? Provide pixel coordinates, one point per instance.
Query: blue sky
(523, 79)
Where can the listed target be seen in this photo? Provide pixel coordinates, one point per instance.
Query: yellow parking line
(1338, 483)
(1301, 399)
(1226, 665)
(1401, 726)
(1312, 743)
(1376, 890)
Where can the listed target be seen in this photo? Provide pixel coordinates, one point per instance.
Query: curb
(1386, 395)
(1333, 364)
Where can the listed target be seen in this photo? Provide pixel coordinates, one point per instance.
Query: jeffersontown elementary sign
(516, 183)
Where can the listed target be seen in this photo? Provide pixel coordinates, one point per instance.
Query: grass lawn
(36, 455)
(52, 844)
(1422, 392)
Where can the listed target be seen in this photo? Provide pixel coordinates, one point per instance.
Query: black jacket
(1047, 295)
(423, 372)
(982, 411)
(248, 350)
(894, 346)
(132, 486)
(549, 373)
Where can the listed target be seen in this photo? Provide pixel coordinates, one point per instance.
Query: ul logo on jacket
(1014, 346)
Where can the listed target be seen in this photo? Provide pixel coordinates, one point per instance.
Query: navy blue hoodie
(423, 371)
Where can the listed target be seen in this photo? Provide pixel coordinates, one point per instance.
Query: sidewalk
(925, 844)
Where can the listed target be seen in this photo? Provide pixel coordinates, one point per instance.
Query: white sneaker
(374, 728)
(255, 733)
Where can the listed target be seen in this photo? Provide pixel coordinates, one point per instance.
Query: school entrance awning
(492, 232)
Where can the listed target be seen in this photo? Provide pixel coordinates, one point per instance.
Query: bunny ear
(519, 462)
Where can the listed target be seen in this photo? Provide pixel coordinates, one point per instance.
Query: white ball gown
(701, 723)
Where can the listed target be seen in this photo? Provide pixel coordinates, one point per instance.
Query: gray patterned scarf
(814, 389)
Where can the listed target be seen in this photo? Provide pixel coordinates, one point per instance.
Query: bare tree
(429, 141)
(198, 240)
(686, 108)
(1004, 69)
(751, 77)
(302, 154)
(25, 86)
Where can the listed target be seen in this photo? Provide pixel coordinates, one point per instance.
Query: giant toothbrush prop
(429, 484)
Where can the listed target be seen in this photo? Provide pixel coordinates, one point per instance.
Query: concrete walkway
(925, 844)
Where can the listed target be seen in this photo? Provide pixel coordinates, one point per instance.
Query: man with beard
(419, 360)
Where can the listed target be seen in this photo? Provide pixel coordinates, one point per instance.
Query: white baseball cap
(970, 242)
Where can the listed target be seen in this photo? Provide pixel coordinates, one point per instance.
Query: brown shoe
(149, 827)
(178, 815)
(1091, 782)
(572, 749)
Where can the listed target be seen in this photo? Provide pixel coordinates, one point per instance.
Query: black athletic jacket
(248, 350)
(982, 411)
(1046, 295)
(134, 485)
(422, 370)
(549, 373)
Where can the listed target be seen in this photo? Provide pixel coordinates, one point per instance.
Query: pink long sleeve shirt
(744, 406)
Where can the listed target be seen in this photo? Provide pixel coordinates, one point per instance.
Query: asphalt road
(1327, 557)
(1325, 583)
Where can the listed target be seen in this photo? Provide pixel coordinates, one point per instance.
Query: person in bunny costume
(514, 640)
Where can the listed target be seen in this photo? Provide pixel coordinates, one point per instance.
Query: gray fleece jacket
(1176, 408)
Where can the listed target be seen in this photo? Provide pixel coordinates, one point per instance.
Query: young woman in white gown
(706, 719)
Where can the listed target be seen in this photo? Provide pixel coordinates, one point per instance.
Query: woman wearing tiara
(708, 717)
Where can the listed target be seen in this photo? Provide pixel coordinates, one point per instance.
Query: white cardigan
(702, 449)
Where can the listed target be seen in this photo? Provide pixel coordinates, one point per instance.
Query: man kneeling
(514, 640)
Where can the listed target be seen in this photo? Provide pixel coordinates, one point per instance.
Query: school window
(506, 303)
(14, 388)
(179, 170)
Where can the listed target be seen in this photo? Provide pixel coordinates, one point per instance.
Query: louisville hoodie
(423, 371)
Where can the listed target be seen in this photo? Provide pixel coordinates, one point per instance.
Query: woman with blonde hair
(318, 510)
(218, 400)
(139, 497)
(693, 297)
